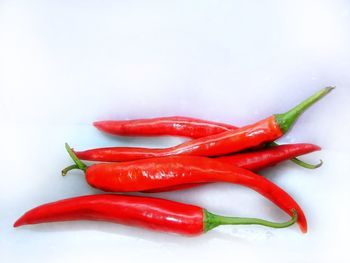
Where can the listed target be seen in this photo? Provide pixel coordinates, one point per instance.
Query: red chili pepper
(147, 212)
(143, 175)
(258, 160)
(218, 144)
(176, 126)
(255, 161)
(266, 130)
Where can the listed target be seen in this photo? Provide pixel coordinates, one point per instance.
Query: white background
(64, 64)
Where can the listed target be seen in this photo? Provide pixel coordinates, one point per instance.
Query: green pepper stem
(78, 163)
(211, 221)
(68, 168)
(286, 120)
(306, 165)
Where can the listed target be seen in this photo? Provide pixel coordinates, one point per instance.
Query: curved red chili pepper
(143, 175)
(266, 130)
(255, 161)
(174, 125)
(147, 212)
(228, 142)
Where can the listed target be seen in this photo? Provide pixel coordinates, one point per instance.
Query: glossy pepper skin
(149, 174)
(146, 212)
(255, 161)
(231, 141)
(174, 125)
(218, 144)
(151, 213)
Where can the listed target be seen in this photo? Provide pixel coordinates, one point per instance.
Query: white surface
(64, 64)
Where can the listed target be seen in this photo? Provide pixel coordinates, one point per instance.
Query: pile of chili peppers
(216, 152)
